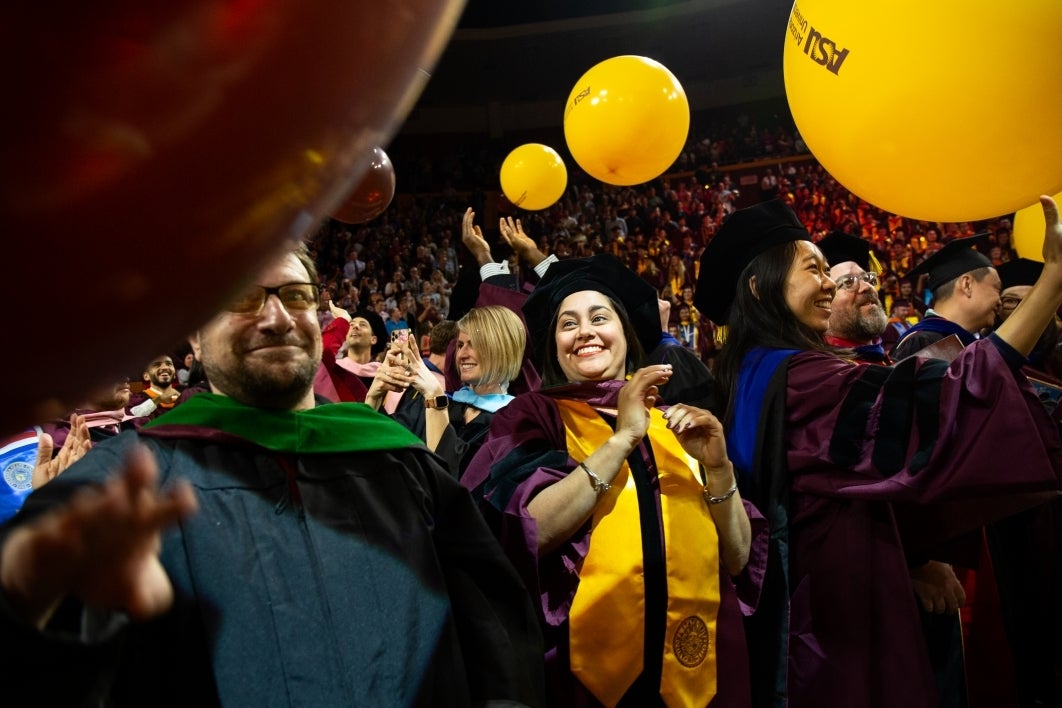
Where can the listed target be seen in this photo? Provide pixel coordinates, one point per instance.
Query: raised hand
(523, 245)
(1052, 250)
(701, 435)
(472, 237)
(637, 398)
(100, 547)
(78, 442)
(420, 376)
(338, 312)
(1023, 328)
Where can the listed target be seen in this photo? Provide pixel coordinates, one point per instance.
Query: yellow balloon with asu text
(533, 176)
(946, 110)
(626, 120)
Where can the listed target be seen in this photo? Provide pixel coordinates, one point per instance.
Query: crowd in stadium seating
(408, 259)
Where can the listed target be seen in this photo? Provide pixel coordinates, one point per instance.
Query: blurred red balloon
(372, 195)
(160, 153)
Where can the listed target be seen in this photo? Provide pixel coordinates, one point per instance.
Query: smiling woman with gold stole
(623, 517)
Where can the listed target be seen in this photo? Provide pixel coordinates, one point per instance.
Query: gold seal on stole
(691, 642)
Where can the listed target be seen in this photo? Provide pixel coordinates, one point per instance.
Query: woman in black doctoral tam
(623, 517)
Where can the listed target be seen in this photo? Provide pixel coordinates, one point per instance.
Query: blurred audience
(404, 266)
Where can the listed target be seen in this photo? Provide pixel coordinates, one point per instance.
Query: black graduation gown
(359, 579)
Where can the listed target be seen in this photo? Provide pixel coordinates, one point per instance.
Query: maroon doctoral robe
(526, 452)
(838, 450)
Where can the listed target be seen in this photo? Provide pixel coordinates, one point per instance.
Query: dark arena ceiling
(722, 51)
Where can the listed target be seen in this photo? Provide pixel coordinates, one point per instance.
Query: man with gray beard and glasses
(857, 319)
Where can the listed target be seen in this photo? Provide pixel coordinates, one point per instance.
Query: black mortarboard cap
(604, 273)
(840, 247)
(379, 329)
(745, 235)
(1023, 271)
(956, 258)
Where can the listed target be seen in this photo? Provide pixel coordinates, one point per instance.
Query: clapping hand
(637, 398)
(77, 443)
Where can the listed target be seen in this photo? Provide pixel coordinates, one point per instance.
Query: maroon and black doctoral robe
(840, 448)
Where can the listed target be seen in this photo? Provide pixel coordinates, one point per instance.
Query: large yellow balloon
(1028, 233)
(944, 110)
(626, 120)
(533, 176)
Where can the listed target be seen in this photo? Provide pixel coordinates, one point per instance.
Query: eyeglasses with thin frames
(849, 282)
(295, 297)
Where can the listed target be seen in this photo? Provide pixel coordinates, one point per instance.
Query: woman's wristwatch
(438, 402)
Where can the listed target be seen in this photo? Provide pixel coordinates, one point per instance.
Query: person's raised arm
(338, 312)
(664, 307)
(472, 237)
(101, 547)
(523, 245)
(1025, 326)
(427, 385)
(334, 334)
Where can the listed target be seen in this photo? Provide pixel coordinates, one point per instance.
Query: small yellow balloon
(1027, 235)
(533, 176)
(626, 120)
(947, 110)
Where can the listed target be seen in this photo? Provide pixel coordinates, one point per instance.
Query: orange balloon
(372, 195)
(162, 152)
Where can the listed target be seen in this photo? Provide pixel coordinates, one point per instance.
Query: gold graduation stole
(607, 619)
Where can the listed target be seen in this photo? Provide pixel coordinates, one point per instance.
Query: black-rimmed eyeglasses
(295, 297)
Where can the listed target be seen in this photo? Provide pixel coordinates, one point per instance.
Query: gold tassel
(875, 264)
